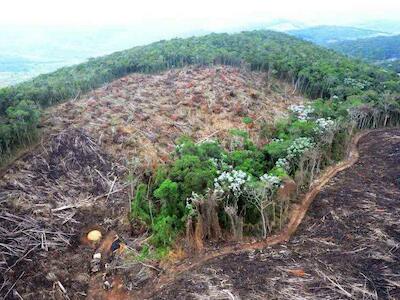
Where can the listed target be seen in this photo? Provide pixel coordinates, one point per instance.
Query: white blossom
(299, 146)
(190, 203)
(283, 163)
(231, 182)
(324, 125)
(302, 112)
(271, 181)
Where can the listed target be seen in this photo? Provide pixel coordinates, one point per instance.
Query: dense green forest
(315, 72)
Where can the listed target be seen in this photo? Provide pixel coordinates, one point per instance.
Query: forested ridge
(316, 72)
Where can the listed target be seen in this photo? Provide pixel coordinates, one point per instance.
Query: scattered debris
(347, 247)
(142, 115)
(46, 198)
(52, 196)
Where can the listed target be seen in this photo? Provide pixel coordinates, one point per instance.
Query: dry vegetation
(346, 248)
(143, 115)
(75, 179)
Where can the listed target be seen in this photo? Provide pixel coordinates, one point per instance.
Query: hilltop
(314, 72)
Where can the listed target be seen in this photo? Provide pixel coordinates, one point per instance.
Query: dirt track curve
(347, 246)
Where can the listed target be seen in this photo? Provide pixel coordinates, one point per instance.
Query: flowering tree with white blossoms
(230, 185)
(261, 195)
(302, 112)
(298, 147)
(324, 125)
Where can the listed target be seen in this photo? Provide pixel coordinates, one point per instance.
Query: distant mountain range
(392, 26)
(384, 50)
(325, 35)
(378, 47)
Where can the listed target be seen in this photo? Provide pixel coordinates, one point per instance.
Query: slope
(315, 72)
(81, 174)
(141, 116)
(347, 246)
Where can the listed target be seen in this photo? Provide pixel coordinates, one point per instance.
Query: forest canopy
(314, 71)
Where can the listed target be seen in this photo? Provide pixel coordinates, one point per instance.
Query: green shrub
(339, 143)
(251, 162)
(247, 120)
(193, 174)
(164, 231)
(169, 197)
(302, 128)
(204, 150)
(324, 108)
(281, 127)
(277, 149)
(161, 174)
(278, 172)
(141, 206)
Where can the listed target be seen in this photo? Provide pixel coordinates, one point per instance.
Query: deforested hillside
(147, 163)
(94, 150)
(142, 116)
(313, 71)
(346, 247)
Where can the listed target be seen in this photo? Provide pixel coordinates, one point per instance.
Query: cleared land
(141, 116)
(76, 178)
(346, 248)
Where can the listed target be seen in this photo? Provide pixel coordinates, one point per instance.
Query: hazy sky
(204, 14)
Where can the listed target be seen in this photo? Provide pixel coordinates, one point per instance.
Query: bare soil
(347, 247)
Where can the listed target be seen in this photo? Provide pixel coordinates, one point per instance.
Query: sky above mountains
(205, 14)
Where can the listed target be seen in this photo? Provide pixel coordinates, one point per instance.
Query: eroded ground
(347, 247)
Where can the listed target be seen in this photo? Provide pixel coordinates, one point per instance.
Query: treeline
(314, 71)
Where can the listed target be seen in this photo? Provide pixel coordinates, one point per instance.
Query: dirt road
(347, 247)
